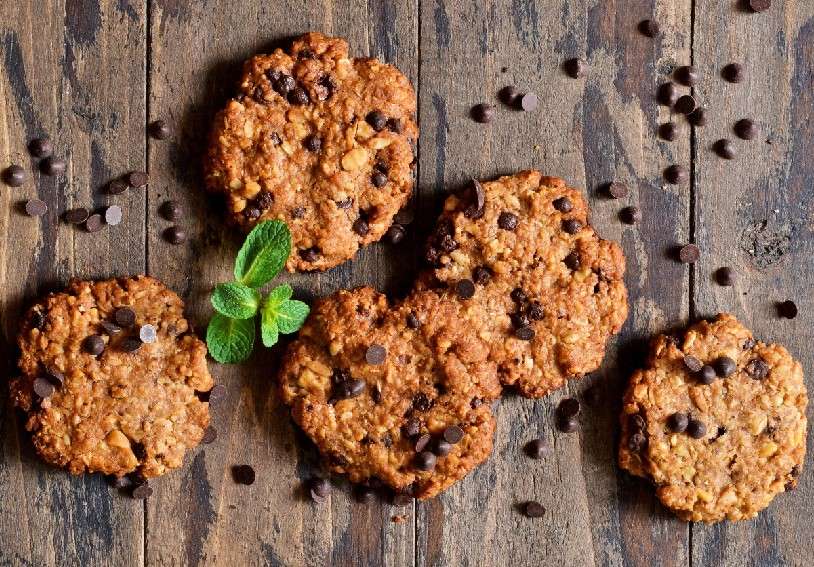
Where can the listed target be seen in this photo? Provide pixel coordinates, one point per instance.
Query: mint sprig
(231, 332)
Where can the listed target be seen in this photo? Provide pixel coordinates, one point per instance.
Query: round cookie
(397, 394)
(548, 293)
(98, 399)
(717, 445)
(320, 140)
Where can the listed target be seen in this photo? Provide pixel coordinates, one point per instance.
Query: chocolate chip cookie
(394, 394)
(320, 140)
(111, 377)
(717, 421)
(538, 285)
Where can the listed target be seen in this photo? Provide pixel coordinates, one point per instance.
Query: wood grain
(50, 84)
(755, 213)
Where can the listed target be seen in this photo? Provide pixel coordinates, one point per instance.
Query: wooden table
(91, 74)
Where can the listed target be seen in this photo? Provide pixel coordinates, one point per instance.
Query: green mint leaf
(230, 340)
(263, 254)
(269, 332)
(291, 316)
(236, 300)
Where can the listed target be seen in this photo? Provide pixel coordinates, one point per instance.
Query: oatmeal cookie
(397, 394)
(110, 372)
(320, 140)
(541, 288)
(717, 421)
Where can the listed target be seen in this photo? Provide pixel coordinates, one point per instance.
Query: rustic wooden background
(92, 73)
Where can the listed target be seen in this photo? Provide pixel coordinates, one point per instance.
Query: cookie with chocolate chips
(548, 293)
(98, 397)
(393, 393)
(320, 140)
(717, 449)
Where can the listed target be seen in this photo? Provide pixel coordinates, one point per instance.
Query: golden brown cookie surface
(719, 442)
(320, 140)
(109, 378)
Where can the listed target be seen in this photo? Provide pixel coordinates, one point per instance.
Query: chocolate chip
(575, 68)
(507, 220)
(422, 442)
(571, 226)
(678, 422)
(284, 84)
(124, 317)
(94, 223)
(175, 235)
(425, 461)
(142, 491)
(309, 254)
(442, 448)
(572, 261)
(14, 176)
(687, 75)
(563, 204)
(378, 179)
(692, 363)
(698, 117)
(749, 343)
(377, 120)
(733, 72)
(251, 212)
(137, 179)
(217, 395)
(519, 296)
(453, 434)
(160, 130)
(685, 104)
(787, 309)
(37, 319)
(536, 312)
(465, 289)
(757, 369)
(533, 509)
(676, 174)
(243, 474)
(113, 215)
(519, 320)
(395, 125)
(35, 208)
(667, 94)
(53, 166)
(568, 407)
(395, 233)
(725, 276)
(760, 5)
(361, 227)
(298, 96)
(209, 435)
(696, 428)
(147, 334)
(483, 113)
(298, 212)
(649, 28)
(475, 199)
(375, 354)
(537, 448)
(509, 95)
(616, 190)
(117, 187)
(171, 210)
(313, 143)
(43, 387)
(524, 333)
(630, 215)
(636, 442)
(413, 321)
(635, 422)
(41, 148)
(76, 216)
(724, 149)
(351, 388)
(93, 345)
(668, 131)
(412, 427)
(481, 275)
(746, 129)
(421, 402)
(707, 375)
(528, 102)
(130, 344)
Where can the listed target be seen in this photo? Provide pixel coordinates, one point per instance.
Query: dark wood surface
(91, 74)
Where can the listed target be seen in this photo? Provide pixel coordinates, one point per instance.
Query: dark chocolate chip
(422, 442)
(137, 179)
(298, 96)
(395, 233)
(636, 442)
(733, 72)
(395, 125)
(309, 254)
(413, 321)
(481, 275)
(519, 296)
(757, 369)
(378, 179)
(37, 319)
(53, 166)
(698, 117)
(217, 395)
(351, 388)
(76, 216)
(35, 208)
(93, 345)
(209, 435)
(689, 254)
(524, 333)
(509, 95)
(724, 149)
(696, 428)
(41, 148)
(377, 120)
(572, 261)
(264, 200)
(533, 509)
(685, 104)
(692, 363)
(361, 227)
(113, 215)
(568, 425)
(571, 226)
(563, 204)
(519, 320)
(243, 474)
(130, 344)
(142, 491)
(687, 75)
(678, 422)
(453, 434)
(537, 448)
(707, 375)
(507, 220)
(528, 102)
(313, 143)
(725, 366)
(746, 129)
(117, 187)
(425, 461)
(442, 448)
(171, 210)
(787, 309)
(630, 215)
(124, 317)
(725, 276)
(465, 289)
(284, 84)
(568, 407)
(421, 402)
(483, 113)
(160, 130)
(649, 28)
(676, 174)
(375, 354)
(298, 212)
(43, 387)
(668, 131)
(251, 212)
(94, 223)
(475, 199)
(175, 235)
(667, 94)
(14, 176)
(412, 427)
(536, 312)
(575, 68)
(635, 422)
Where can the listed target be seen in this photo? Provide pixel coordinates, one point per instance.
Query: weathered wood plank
(590, 131)
(755, 214)
(200, 516)
(74, 71)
